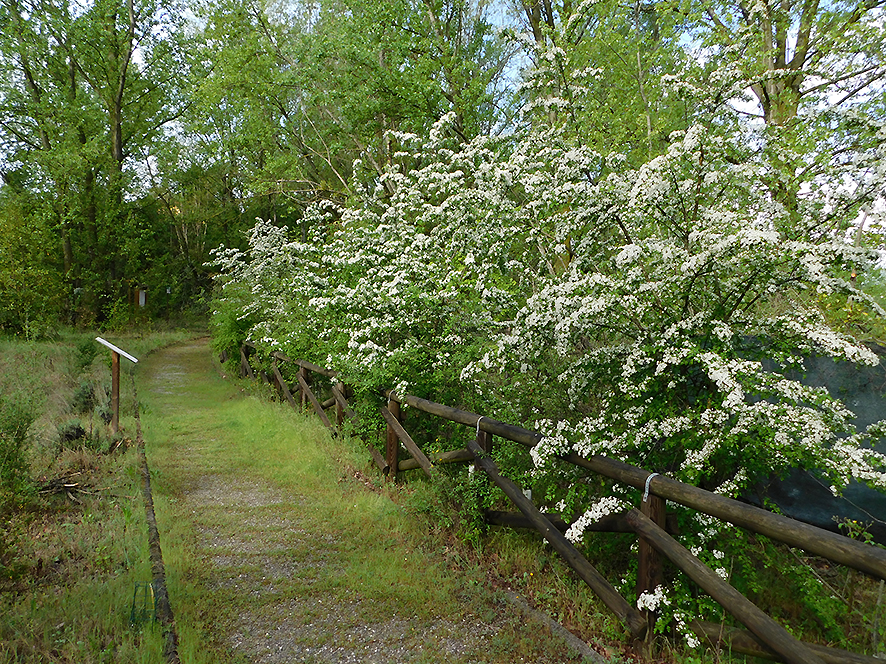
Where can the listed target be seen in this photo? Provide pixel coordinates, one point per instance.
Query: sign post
(115, 380)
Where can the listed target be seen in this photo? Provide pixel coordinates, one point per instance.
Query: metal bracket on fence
(646, 490)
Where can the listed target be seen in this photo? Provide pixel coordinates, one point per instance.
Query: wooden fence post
(339, 410)
(403, 437)
(392, 442)
(304, 377)
(649, 566)
(245, 367)
(282, 387)
(484, 441)
(276, 372)
(340, 393)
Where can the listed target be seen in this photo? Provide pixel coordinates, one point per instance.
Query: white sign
(116, 350)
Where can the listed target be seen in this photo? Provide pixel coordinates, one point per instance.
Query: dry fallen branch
(65, 484)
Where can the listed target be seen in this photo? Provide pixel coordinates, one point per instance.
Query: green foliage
(117, 316)
(71, 433)
(83, 399)
(292, 135)
(87, 350)
(229, 327)
(609, 60)
(80, 229)
(16, 417)
(851, 316)
(75, 434)
(30, 286)
(455, 501)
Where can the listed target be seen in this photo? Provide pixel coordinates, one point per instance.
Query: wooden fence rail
(764, 638)
(817, 541)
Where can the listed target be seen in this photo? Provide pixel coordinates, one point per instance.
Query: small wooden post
(304, 378)
(392, 443)
(318, 407)
(276, 372)
(282, 387)
(484, 442)
(340, 393)
(245, 367)
(403, 437)
(115, 391)
(115, 380)
(339, 410)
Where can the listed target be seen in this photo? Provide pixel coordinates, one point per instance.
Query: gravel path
(272, 549)
(274, 582)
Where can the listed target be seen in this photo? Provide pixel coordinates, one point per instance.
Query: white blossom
(651, 601)
(603, 507)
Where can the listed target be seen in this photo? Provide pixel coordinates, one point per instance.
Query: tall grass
(72, 557)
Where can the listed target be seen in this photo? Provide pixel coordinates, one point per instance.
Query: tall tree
(309, 92)
(813, 73)
(600, 68)
(793, 53)
(47, 124)
(87, 87)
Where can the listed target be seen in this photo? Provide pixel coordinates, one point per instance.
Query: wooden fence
(764, 637)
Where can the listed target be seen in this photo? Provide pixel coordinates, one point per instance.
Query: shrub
(87, 350)
(16, 418)
(70, 432)
(83, 399)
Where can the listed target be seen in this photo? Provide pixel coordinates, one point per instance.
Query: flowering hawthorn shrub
(651, 315)
(663, 334)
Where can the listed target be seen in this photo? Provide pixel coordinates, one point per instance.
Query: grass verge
(74, 537)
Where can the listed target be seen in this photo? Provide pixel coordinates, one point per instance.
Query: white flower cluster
(651, 601)
(603, 507)
(596, 289)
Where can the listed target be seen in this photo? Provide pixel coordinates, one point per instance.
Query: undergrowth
(819, 601)
(73, 537)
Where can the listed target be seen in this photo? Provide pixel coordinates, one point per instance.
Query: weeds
(84, 400)
(87, 350)
(72, 532)
(16, 489)
(16, 418)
